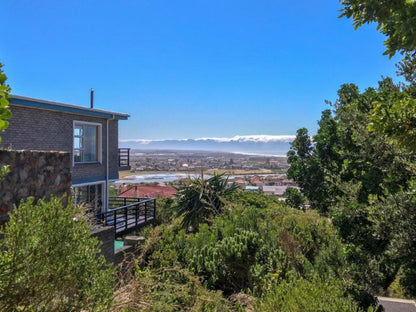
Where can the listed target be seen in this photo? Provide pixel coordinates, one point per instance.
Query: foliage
(255, 242)
(305, 169)
(297, 294)
(168, 289)
(4, 111)
(395, 19)
(394, 220)
(294, 198)
(49, 261)
(4, 101)
(165, 210)
(360, 166)
(200, 199)
(395, 117)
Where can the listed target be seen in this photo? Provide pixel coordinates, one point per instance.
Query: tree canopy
(394, 18)
(5, 90)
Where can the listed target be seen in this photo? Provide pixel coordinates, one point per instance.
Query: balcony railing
(124, 159)
(129, 214)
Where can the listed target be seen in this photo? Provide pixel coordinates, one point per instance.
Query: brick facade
(40, 129)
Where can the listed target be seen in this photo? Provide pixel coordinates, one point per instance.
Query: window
(90, 197)
(87, 142)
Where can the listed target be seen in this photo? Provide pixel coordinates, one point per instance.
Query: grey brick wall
(106, 235)
(39, 129)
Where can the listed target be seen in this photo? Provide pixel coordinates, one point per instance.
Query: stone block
(134, 240)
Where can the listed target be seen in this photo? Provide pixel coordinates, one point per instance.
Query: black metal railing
(124, 158)
(134, 214)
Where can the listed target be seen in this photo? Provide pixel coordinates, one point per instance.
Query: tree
(396, 20)
(356, 157)
(306, 170)
(4, 101)
(294, 198)
(49, 262)
(201, 199)
(5, 113)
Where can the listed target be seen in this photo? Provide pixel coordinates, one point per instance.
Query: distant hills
(249, 144)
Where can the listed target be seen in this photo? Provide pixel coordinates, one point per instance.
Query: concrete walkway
(397, 305)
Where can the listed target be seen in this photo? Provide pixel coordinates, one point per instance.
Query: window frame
(103, 198)
(99, 139)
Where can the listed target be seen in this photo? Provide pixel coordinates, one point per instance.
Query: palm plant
(201, 199)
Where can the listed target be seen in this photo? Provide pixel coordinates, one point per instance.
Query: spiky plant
(201, 199)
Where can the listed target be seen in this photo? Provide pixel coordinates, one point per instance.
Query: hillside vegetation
(254, 253)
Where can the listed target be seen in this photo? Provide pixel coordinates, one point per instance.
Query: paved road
(397, 305)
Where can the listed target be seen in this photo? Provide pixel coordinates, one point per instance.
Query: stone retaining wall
(33, 173)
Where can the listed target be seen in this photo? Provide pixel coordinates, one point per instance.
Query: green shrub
(49, 262)
(169, 289)
(307, 296)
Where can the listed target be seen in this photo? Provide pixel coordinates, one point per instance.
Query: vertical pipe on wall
(92, 98)
(107, 191)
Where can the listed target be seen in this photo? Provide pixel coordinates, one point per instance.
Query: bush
(307, 296)
(168, 289)
(49, 261)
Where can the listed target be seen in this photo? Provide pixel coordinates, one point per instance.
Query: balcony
(123, 159)
(128, 214)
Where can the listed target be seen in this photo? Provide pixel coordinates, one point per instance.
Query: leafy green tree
(394, 19)
(294, 198)
(356, 161)
(49, 261)
(201, 199)
(395, 221)
(4, 101)
(306, 170)
(5, 113)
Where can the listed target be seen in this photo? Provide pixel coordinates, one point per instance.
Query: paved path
(397, 305)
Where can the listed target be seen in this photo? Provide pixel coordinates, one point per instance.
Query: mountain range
(248, 144)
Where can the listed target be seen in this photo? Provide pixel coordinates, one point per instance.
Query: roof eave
(67, 108)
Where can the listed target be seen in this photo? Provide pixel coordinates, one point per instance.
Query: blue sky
(190, 69)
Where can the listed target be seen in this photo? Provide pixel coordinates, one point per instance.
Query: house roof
(275, 189)
(67, 108)
(149, 191)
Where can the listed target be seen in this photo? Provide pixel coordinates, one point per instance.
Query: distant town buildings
(274, 182)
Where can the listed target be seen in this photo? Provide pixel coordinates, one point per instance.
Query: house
(277, 190)
(252, 189)
(151, 191)
(256, 181)
(90, 136)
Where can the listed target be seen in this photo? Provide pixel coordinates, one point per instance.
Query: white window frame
(99, 142)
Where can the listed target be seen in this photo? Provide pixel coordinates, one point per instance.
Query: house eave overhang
(67, 108)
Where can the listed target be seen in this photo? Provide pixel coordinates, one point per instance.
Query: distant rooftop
(61, 107)
(153, 191)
